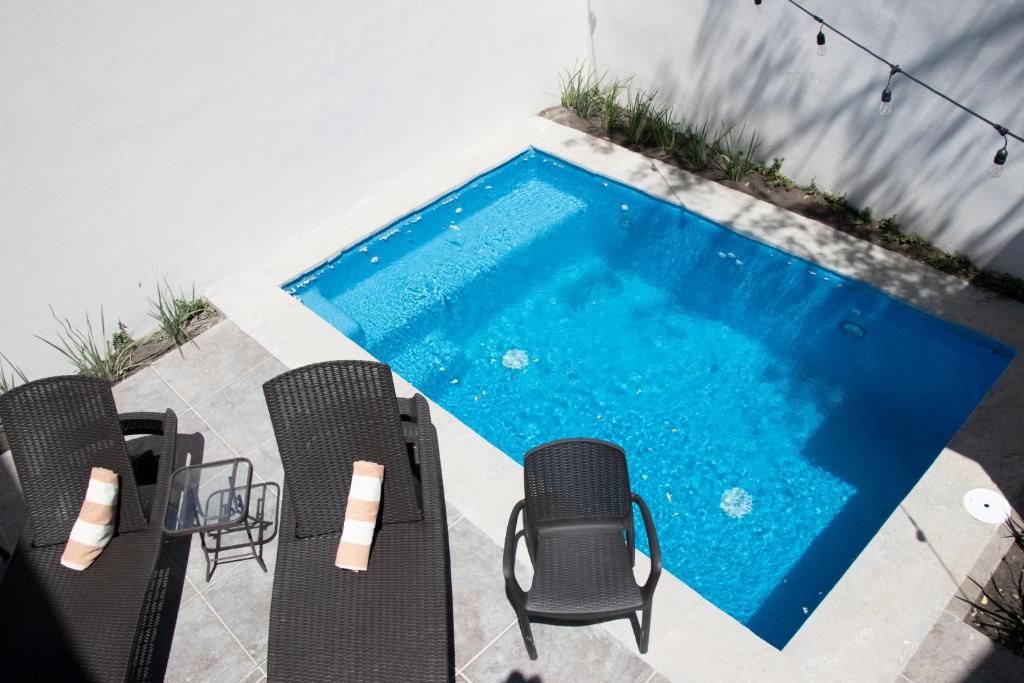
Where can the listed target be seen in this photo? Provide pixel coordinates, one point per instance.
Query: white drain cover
(515, 359)
(986, 506)
(736, 502)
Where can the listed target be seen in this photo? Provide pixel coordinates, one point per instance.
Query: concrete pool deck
(880, 612)
(891, 617)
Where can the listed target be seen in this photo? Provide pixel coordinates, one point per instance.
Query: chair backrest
(59, 429)
(576, 479)
(326, 416)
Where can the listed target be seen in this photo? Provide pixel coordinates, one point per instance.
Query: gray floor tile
(238, 412)
(213, 447)
(480, 607)
(254, 676)
(203, 650)
(266, 462)
(953, 652)
(566, 653)
(452, 512)
(242, 600)
(146, 391)
(218, 357)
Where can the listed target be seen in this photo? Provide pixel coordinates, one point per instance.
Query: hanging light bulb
(757, 7)
(886, 104)
(1000, 159)
(822, 47)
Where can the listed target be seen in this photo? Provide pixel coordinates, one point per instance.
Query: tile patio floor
(221, 635)
(215, 388)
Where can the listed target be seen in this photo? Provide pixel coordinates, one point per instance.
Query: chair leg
(524, 626)
(645, 630)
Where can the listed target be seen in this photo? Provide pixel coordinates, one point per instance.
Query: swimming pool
(774, 413)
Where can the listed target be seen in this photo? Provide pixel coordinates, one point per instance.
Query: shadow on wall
(903, 163)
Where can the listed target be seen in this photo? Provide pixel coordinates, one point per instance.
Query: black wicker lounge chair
(392, 622)
(578, 528)
(100, 624)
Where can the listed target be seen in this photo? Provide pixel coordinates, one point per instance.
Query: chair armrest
(515, 592)
(652, 542)
(166, 425)
(141, 423)
(415, 416)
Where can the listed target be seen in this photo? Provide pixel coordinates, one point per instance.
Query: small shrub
(639, 116)
(610, 109)
(812, 188)
(737, 153)
(956, 263)
(1001, 283)
(773, 176)
(864, 217)
(997, 612)
(8, 382)
(837, 202)
(174, 313)
(89, 356)
(581, 92)
(890, 232)
(889, 226)
(122, 339)
(701, 145)
(666, 135)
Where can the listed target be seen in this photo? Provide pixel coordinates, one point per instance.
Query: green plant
(773, 176)
(837, 202)
(998, 613)
(666, 135)
(173, 312)
(610, 109)
(812, 188)
(581, 92)
(122, 339)
(701, 145)
(8, 382)
(639, 116)
(956, 263)
(89, 356)
(864, 217)
(737, 152)
(890, 231)
(889, 226)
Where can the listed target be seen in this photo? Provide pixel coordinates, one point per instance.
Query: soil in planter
(158, 344)
(1003, 587)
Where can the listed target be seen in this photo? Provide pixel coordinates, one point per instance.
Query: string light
(1000, 159)
(885, 106)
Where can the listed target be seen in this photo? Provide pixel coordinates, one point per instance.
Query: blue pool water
(774, 413)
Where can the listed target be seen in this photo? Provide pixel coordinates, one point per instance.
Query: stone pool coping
(874, 619)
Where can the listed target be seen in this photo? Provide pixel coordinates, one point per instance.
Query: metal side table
(219, 500)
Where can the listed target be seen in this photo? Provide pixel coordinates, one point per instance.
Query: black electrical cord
(893, 69)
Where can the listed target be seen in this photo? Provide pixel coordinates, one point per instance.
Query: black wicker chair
(100, 624)
(578, 528)
(394, 621)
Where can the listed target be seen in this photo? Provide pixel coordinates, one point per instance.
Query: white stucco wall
(189, 137)
(926, 161)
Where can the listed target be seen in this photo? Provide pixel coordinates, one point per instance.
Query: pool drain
(736, 502)
(987, 506)
(515, 359)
